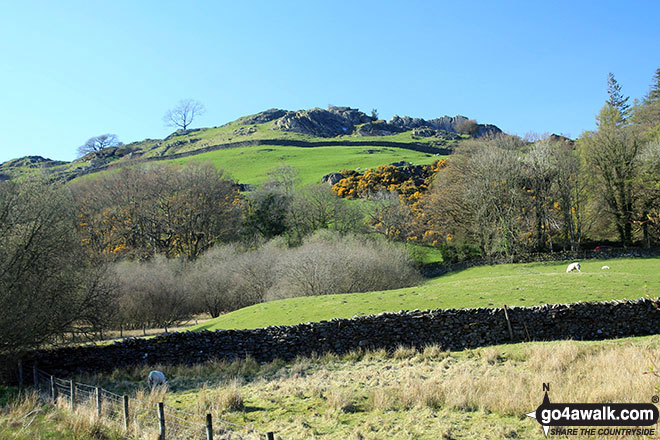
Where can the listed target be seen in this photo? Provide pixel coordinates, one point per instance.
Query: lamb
(572, 267)
(156, 378)
(604, 267)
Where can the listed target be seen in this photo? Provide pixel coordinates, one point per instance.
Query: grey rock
(335, 121)
(407, 122)
(332, 178)
(266, 116)
(379, 128)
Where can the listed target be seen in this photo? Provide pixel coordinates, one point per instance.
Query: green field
(485, 286)
(251, 164)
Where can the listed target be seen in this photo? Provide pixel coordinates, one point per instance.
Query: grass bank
(524, 284)
(251, 164)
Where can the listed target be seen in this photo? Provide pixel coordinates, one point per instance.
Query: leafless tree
(98, 143)
(153, 292)
(479, 198)
(317, 207)
(47, 283)
(391, 216)
(467, 126)
(183, 114)
(141, 211)
(329, 263)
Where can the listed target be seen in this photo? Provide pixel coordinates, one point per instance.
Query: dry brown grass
(219, 400)
(408, 393)
(153, 395)
(28, 417)
(502, 382)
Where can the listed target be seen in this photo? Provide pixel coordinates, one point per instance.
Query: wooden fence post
(98, 402)
(72, 390)
(209, 427)
(270, 436)
(35, 376)
(20, 375)
(508, 323)
(161, 421)
(53, 389)
(125, 412)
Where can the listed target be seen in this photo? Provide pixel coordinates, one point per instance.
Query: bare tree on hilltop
(98, 143)
(183, 114)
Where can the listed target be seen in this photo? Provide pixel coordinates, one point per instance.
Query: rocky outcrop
(182, 132)
(335, 121)
(266, 116)
(451, 329)
(332, 178)
(31, 162)
(447, 124)
(407, 123)
(353, 115)
(106, 154)
(486, 130)
(245, 131)
(559, 138)
(379, 128)
(15, 168)
(432, 132)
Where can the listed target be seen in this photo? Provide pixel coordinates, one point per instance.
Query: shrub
(153, 292)
(327, 263)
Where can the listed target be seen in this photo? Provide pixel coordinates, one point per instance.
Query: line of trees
(143, 211)
(503, 195)
(162, 292)
(152, 245)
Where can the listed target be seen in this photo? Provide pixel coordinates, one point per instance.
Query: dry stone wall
(452, 329)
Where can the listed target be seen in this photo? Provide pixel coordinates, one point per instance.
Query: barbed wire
(179, 424)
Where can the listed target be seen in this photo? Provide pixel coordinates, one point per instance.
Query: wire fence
(141, 418)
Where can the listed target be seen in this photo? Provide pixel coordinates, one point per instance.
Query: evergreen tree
(654, 92)
(616, 99)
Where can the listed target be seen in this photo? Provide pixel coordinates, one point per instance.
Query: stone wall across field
(452, 329)
(436, 269)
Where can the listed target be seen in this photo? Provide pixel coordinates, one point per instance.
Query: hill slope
(524, 284)
(303, 129)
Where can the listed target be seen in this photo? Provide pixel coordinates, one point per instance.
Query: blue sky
(72, 70)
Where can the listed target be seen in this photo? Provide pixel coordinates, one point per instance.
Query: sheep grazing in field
(156, 378)
(573, 267)
(604, 267)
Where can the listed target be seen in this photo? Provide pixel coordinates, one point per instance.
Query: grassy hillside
(485, 286)
(236, 131)
(247, 164)
(251, 164)
(405, 394)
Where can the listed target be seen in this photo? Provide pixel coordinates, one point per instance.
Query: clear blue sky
(72, 70)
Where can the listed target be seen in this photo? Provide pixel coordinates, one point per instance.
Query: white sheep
(604, 267)
(572, 267)
(156, 378)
